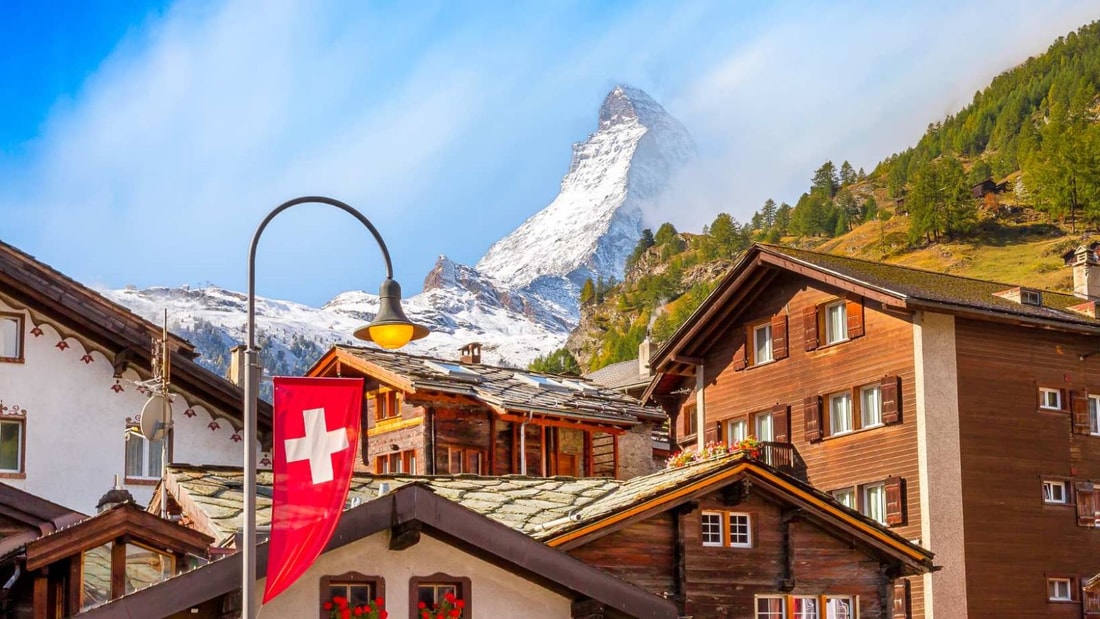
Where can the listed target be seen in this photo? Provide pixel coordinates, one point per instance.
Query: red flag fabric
(316, 429)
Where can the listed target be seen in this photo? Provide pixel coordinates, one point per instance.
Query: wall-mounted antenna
(156, 415)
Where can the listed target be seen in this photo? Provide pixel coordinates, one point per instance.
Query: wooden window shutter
(1086, 506)
(855, 319)
(901, 600)
(740, 352)
(811, 411)
(710, 434)
(895, 501)
(1079, 404)
(781, 423)
(779, 337)
(809, 326)
(891, 399)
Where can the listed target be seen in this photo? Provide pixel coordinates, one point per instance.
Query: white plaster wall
(937, 386)
(495, 593)
(75, 422)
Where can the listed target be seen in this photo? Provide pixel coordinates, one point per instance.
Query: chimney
(1086, 271)
(113, 497)
(645, 351)
(471, 353)
(236, 365)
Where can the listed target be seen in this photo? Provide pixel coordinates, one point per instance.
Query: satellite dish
(155, 416)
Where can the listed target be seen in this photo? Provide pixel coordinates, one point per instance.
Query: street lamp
(389, 329)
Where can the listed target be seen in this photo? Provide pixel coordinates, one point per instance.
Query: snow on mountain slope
(594, 223)
(521, 301)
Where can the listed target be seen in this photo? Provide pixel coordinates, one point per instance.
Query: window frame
(730, 434)
(756, 419)
(461, 583)
(20, 421)
(1071, 587)
(748, 529)
(133, 433)
(865, 493)
(1054, 483)
(351, 578)
(861, 390)
(20, 336)
(831, 412)
(755, 358)
(387, 404)
(853, 605)
(766, 596)
(849, 491)
(465, 453)
(842, 306)
(721, 529)
(1044, 391)
(1094, 414)
(816, 613)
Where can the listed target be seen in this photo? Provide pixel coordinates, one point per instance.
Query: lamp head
(390, 328)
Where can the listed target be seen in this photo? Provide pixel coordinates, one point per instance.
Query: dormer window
(1021, 295)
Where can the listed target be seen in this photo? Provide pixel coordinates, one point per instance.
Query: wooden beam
(118, 569)
(686, 360)
(589, 459)
(72, 602)
(515, 448)
(615, 451)
(41, 596)
(542, 452)
(405, 535)
(492, 443)
(564, 423)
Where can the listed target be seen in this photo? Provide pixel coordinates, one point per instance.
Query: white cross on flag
(316, 428)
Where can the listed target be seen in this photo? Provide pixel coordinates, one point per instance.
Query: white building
(70, 362)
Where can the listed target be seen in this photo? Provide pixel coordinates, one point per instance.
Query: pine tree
(588, 292)
(767, 212)
(847, 174)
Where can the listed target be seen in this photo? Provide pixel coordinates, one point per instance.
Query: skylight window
(579, 385)
(543, 382)
(453, 370)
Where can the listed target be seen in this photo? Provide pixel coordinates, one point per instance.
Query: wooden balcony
(782, 456)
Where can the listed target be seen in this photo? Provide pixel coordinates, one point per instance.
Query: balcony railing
(782, 456)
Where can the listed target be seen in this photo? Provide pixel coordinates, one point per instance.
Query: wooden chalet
(432, 416)
(404, 547)
(988, 186)
(957, 412)
(726, 537)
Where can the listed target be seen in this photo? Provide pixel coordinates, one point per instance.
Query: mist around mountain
(519, 302)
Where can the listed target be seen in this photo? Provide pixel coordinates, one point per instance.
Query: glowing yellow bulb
(391, 336)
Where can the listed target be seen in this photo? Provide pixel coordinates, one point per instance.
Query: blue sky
(142, 143)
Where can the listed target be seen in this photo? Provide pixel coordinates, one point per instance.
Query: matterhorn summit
(592, 226)
(519, 302)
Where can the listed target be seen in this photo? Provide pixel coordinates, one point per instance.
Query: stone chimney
(645, 351)
(1086, 271)
(471, 353)
(236, 365)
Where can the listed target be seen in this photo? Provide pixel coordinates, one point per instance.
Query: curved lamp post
(389, 329)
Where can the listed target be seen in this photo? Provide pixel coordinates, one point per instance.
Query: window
(691, 420)
(1054, 492)
(466, 460)
(1050, 399)
(846, 497)
(396, 462)
(732, 529)
(712, 529)
(11, 446)
(95, 575)
(438, 590)
(358, 589)
(11, 338)
(874, 502)
(1094, 414)
(1060, 589)
(765, 431)
(840, 413)
(762, 344)
(737, 431)
(387, 405)
(771, 607)
(836, 322)
(143, 457)
(145, 566)
(839, 608)
(870, 406)
(740, 531)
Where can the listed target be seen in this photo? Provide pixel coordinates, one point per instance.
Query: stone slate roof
(512, 389)
(939, 288)
(542, 508)
(618, 375)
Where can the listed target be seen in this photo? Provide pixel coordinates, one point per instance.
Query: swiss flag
(316, 431)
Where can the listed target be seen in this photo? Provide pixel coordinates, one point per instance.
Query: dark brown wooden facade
(435, 431)
(1014, 544)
